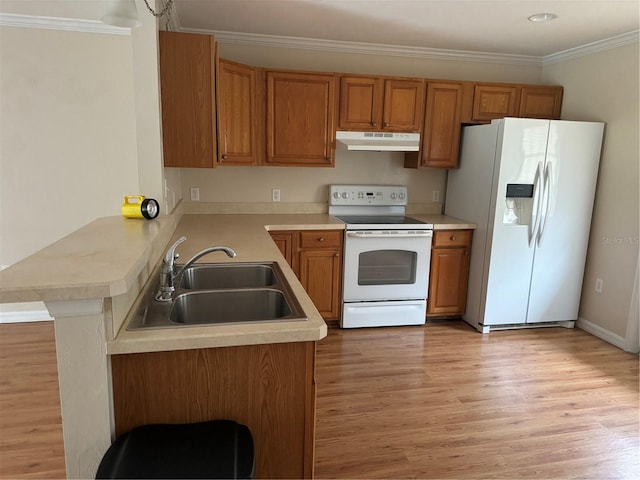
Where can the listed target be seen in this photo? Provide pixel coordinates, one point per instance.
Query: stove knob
(402, 195)
(345, 195)
(336, 195)
(393, 195)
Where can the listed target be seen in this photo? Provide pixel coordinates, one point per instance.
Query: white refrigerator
(529, 185)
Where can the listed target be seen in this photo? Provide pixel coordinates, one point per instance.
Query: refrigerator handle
(546, 200)
(536, 205)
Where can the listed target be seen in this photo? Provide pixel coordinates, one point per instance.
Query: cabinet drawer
(321, 239)
(451, 238)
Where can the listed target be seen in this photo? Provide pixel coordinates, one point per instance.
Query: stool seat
(213, 449)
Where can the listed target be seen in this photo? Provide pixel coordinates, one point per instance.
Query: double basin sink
(222, 293)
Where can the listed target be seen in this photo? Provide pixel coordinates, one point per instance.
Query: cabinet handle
(321, 239)
(337, 254)
(453, 237)
(386, 124)
(224, 157)
(373, 124)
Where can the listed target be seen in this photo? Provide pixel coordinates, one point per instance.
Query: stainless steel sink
(229, 306)
(227, 275)
(222, 293)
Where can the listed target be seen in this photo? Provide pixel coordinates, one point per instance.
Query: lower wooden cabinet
(270, 388)
(449, 272)
(316, 258)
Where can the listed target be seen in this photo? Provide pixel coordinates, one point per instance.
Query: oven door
(386, 265)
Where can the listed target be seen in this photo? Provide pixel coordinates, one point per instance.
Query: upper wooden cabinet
(540, 102)
(239, 128)
(187, 79)
(442, 120)
(492, 101)
(300, 118)
(530, 101)
(381, 104)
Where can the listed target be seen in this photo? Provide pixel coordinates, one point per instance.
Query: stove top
(378, 219)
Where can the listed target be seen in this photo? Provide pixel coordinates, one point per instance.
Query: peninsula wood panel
(269, 388)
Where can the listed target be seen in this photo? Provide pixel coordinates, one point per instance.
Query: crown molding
(621, 40)
(58, 23)
(366, 48)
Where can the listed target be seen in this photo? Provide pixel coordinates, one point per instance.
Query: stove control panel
(367, 195)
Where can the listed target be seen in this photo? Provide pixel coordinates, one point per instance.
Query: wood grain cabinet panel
(360, 106)
(270, 388)
(449, 274)
(317, 262)
(442, 126)
(187, 79)
(300, 118)
(541, 102)
(284, 242)
(389, 104)
(494, 101)
(238, 125)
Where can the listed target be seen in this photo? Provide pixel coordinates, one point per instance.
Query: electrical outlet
(436, 196)
(599, 285)
(195, 194)
(275, 195)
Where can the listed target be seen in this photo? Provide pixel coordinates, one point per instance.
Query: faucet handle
(170, 256)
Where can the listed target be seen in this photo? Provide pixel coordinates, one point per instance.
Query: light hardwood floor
(440, 401)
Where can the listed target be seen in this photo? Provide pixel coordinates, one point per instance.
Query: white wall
(605, 87)
(67, 137)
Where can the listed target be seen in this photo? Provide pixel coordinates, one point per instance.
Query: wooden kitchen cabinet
(316, 259)
(187, 80)
(269, 388)
(492, 101)
(381, 104)
(449, 273)
(442, 126)
(301, 110)
(239, 127)
(538, 101)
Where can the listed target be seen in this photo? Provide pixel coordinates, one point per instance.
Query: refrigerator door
(571, 170)
(521, 155)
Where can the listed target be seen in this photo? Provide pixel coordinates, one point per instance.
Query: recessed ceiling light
(543, 17)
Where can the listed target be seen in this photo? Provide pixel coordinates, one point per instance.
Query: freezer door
(521, 156)
(571, 169)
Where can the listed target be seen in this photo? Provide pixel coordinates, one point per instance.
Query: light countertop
(106, 257)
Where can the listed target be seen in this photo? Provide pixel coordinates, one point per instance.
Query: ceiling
(498, 26)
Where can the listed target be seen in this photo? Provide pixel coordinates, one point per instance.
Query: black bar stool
(213, 449)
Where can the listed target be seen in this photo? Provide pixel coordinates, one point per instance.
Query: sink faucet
(168, 274)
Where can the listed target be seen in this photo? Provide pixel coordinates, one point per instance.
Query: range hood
(379, 141)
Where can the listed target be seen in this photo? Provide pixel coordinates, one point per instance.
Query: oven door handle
(427, 233)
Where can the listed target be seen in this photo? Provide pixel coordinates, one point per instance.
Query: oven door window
(387, 267)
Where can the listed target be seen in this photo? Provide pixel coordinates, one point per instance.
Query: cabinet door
(540, 102)
(284, 242)
(320, 274)
(187, 80)
(300, 119)
(237, 115)
(492, 101)
(403, 105)
(442, 125)
(449, 272)
(360, 103)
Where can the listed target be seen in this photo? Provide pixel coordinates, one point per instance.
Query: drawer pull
(321, 239)
(453, 238)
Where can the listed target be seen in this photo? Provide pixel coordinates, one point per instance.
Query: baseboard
(601, 333)
(22, 316)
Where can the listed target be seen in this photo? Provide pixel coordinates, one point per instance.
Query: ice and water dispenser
(519, 204)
